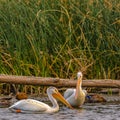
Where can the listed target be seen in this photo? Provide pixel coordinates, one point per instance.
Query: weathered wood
(30, 80)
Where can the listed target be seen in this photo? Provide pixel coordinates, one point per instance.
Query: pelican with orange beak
(76, 97)
(34, 106)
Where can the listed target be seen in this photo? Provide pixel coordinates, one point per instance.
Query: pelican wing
(68, 93)
(29, 105)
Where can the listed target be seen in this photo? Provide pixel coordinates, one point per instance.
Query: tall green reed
(59, 37)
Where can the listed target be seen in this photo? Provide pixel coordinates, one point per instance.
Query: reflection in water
(89, 111)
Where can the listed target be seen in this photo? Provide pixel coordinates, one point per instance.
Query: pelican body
(76, 97)
(34, 106)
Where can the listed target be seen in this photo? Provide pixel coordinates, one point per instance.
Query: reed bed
(57, 38)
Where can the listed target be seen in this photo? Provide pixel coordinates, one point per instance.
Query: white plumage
(34, 106)
(76, 97)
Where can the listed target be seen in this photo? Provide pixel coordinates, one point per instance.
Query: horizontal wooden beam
(58, 82)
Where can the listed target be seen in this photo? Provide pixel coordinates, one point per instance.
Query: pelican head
(56, 94)
(79, 75)
(79, 83)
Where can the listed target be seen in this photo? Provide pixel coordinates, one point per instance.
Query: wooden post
(58, 82)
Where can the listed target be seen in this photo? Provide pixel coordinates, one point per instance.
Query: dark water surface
(89, 111)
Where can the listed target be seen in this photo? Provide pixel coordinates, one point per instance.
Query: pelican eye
(55, 90)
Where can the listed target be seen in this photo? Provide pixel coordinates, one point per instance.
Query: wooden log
(30, 80)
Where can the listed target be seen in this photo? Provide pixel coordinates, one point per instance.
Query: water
(89, 111)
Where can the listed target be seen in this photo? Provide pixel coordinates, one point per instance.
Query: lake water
(89, 111)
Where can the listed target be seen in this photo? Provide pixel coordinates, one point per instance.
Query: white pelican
(76, 97)
(34, 106)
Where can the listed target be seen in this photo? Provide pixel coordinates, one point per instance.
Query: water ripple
(89, 111)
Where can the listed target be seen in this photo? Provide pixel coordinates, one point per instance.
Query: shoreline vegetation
(57, 38)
